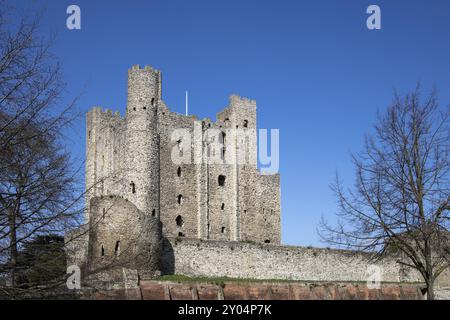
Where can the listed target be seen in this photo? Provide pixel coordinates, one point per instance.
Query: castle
(167, 193)
(132, 157)
(156, 174)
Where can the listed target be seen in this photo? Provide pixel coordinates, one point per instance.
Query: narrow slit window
(153, 213)
(180, 199)
(180, 147)
(222, 140)
(133, 187)
(117, 248)
(179, 172)
(222, 154)
(103, 251)
(223, 230)
(222, 206)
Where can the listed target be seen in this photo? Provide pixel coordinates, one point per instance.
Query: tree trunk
(430, 289)
(13, 247)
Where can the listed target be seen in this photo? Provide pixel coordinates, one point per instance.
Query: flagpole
(186, 102)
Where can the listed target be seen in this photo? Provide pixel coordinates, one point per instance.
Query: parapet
(238, 101)
(137, 68)
(106, 113)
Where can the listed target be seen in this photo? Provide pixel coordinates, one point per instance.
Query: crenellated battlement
(238, 101)
(145, 71)
(137, 67)
(105, 112)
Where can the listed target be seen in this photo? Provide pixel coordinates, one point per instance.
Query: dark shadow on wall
(167, 258)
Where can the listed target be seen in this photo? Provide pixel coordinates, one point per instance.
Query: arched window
(221, 180)
(153, 101)
(245, 123)
(223, 230)
(222, 206)
(153, 213)
(179, 172)
(180, 199)
(179, 221)
(103, 251)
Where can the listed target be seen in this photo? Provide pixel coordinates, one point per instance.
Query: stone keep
(131, 158)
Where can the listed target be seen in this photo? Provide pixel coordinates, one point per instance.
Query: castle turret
(144, 95)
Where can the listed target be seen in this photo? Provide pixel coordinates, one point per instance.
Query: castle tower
(142, 164)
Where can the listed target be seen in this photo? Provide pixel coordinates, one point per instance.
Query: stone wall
(164, 290)
(193, 257)
(178, 181)
(76, 244)
(105, 143)
(122, 235)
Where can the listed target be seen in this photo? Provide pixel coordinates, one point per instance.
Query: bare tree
(38, 190)
(400, 200)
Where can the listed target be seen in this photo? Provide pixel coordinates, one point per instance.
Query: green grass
(222, 280)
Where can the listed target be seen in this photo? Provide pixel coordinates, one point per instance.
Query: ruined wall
(194, 257)
(121, 235)
(194, 203)
(443, 281)
(76, 246)
(178, 181)
(105, 147)
(260, 209)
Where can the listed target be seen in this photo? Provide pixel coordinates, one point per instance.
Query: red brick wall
(154, 290)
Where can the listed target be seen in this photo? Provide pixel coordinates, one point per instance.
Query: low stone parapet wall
(167, 290)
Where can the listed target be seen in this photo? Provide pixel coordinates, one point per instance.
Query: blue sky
(317, 73)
